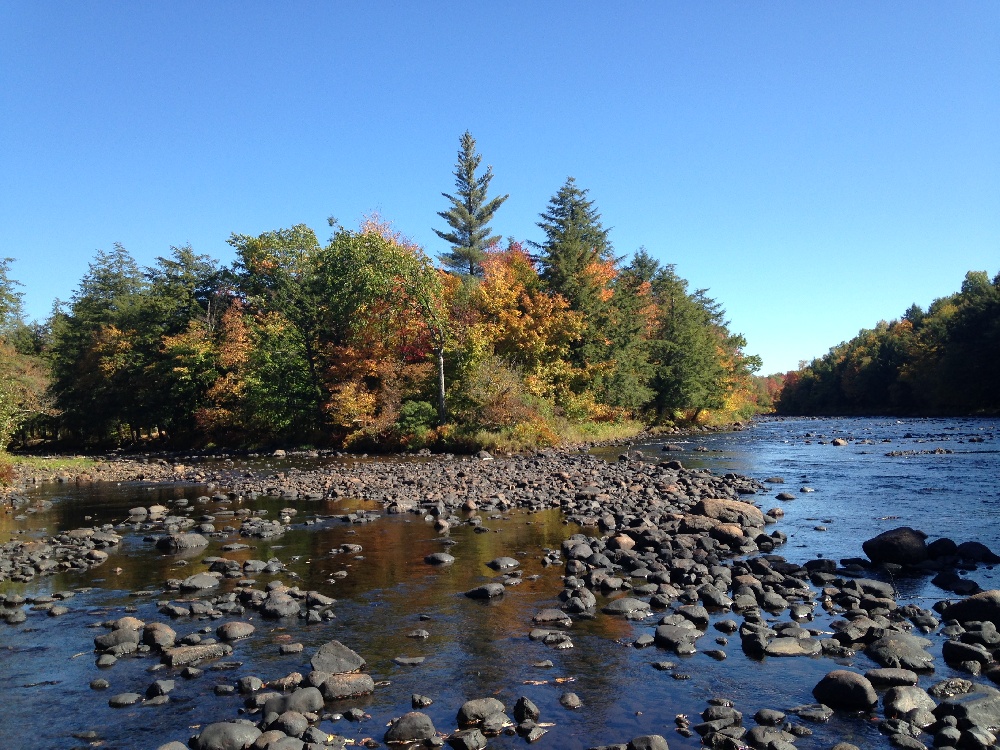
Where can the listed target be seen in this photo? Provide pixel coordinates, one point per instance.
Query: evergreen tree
(577, 262)
(470, 213)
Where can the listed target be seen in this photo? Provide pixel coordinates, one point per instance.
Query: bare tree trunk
(442, 414)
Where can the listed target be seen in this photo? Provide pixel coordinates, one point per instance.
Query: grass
(556, 432)
(50, 463)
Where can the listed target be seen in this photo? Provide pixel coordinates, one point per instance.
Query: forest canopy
(943, 360)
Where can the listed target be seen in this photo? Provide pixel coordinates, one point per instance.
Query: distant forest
(363, 341)
(945, 360)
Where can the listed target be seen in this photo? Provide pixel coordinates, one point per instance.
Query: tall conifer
(470, 212)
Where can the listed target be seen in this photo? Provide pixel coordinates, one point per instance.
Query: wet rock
(420, 701)
(226, 736)
(503, 563)
(181, 542)
(845, 690)
(336, 658)
(628, 607)
(467, 739)
(234, 631)
(979, 707)
(340, 686)
(410, 727)
(439, 558)
(888, 677)
(678, 639)
(570, 700)
(901, 651)
(982, 606)
(525, 710)
(902, 546)
(475, 711)
(900, 701)
(180, 656)
(793, 647)
(486, 591)
(648, 742)
(123, 700)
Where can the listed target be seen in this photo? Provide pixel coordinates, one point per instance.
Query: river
(942, 478)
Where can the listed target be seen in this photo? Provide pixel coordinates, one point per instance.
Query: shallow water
(480, 649)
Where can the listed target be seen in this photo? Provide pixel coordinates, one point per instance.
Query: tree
(470, 213)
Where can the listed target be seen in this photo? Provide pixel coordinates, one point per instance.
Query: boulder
(181, 542)
(901, 651)
(234, 631)
(902, 546)
(845, 690)
(475, 711)
(225, 735)
(899, 701)
(486, 591)
(410, 727)
(334, 657)
(980, 707)
(648, 742)
(730, 511)
(982, 606)
(340, 686)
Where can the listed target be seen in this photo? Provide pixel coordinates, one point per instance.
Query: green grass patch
(50, 463)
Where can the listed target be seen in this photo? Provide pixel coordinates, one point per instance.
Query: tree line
(364, 340)
(943, 360)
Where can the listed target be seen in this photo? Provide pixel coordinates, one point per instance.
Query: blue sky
(817, 166)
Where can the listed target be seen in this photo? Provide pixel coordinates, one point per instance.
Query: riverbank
(656, 554)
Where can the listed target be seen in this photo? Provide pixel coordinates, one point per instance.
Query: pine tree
(577, 262)
(470, 213)
(574, 242)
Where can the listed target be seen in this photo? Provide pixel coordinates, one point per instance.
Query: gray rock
(980, 707)
(901, 651)
(901, 700)
(845, 690)
(234, 631)
(982, 606)
(902, 546)
(648, 742)
(475, 711)
(226, 735)
(410, 727)
(486, 591)
(467, 739)
(339, 686)
(336, 658)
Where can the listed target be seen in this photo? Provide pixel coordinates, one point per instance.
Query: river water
(942, 478)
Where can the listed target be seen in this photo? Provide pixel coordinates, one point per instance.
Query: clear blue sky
(817, 166)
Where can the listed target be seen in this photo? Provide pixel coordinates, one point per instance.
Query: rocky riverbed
(685, 560)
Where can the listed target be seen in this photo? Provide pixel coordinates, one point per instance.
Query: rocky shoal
(680, 552)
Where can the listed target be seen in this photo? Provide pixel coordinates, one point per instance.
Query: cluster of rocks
(78, 549)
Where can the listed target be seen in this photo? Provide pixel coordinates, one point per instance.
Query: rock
(793, 647)
(900, 701)
(234, 631)
(730, 511)
(336, 658)
(180, 656)
(124, 699)
(486, 591)
(648, 742)
(676, 638)
(467, 739)
(410, 727)
(181, 542)
(226, 735)
(845, 690)
(627, 607)
(475, 711)
(526, 710)
(351, 685)
(902, 546)
(439, 558)
(570, 700)
(901, 651)
(984, 606)
(503, 563)
(980, 707)
(888, 677)
(977, 552)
